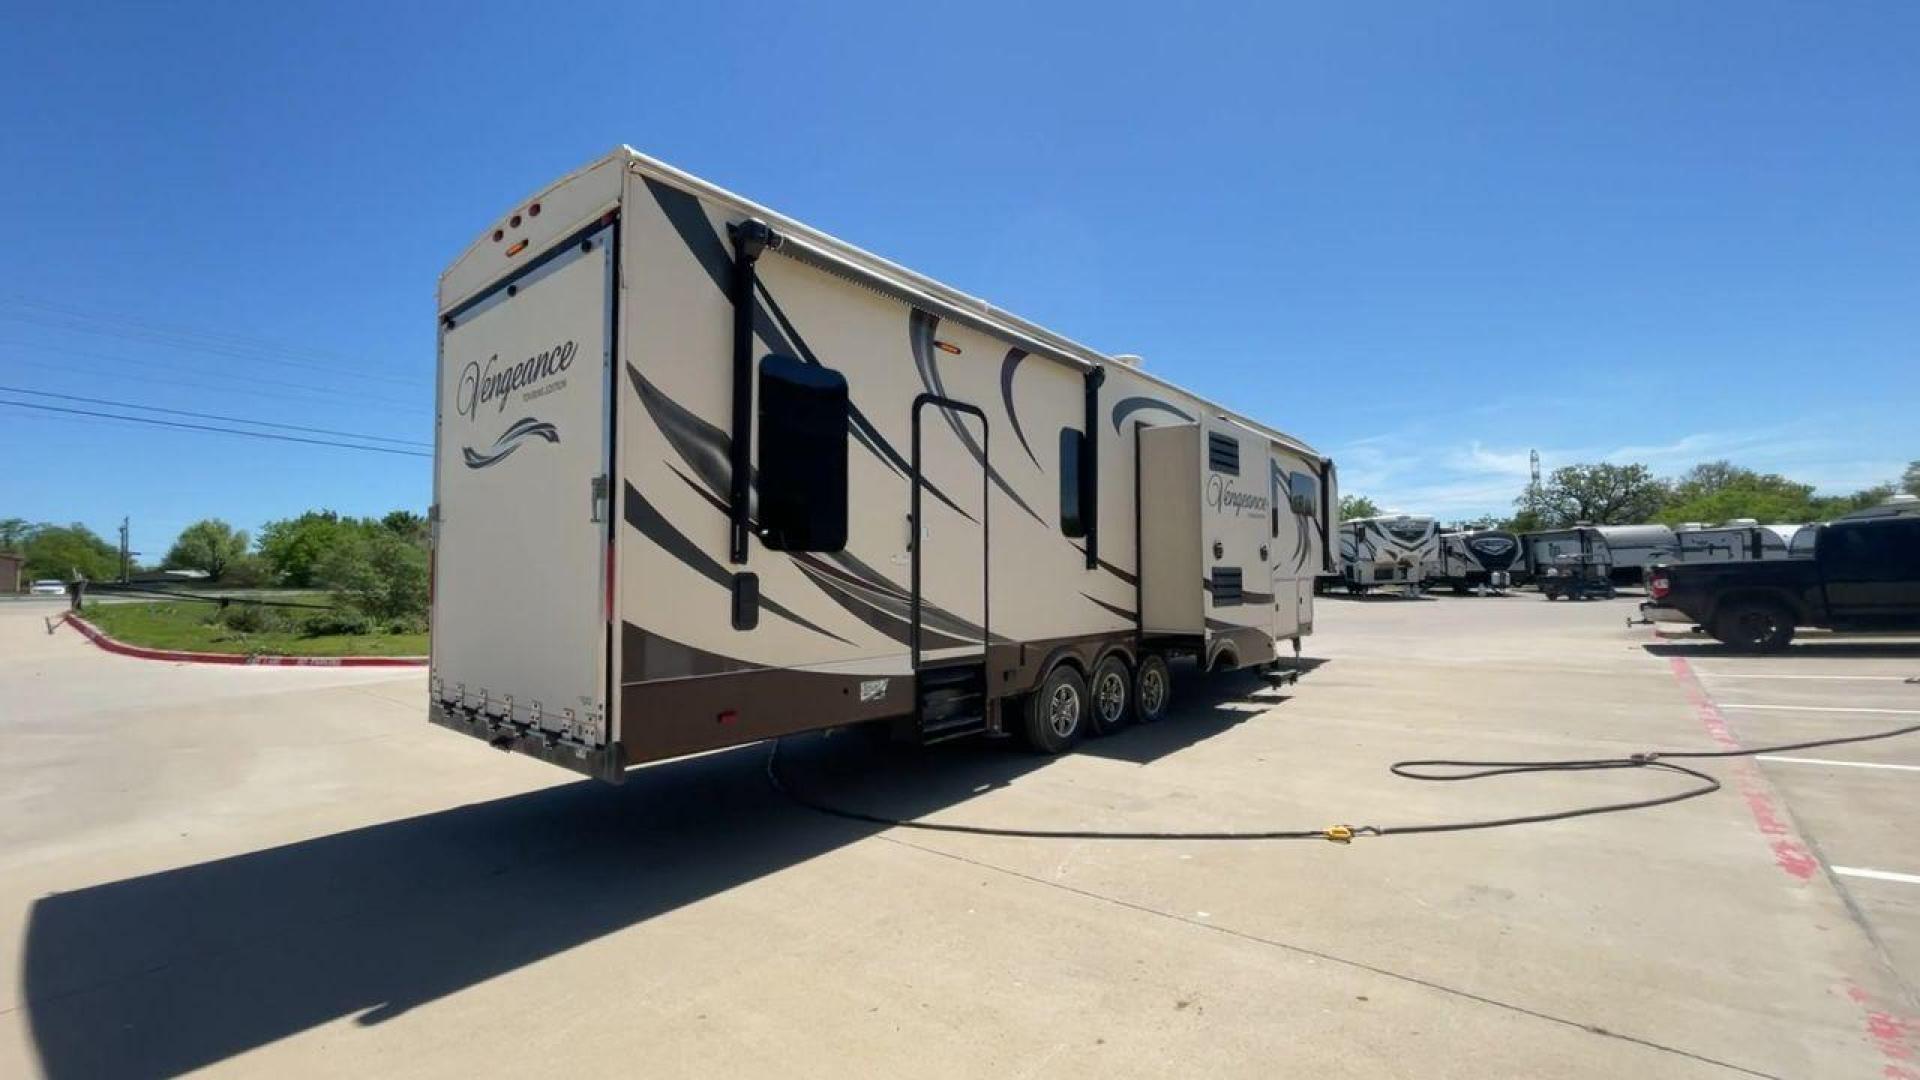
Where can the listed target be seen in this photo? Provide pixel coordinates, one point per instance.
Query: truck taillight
(1658, 586)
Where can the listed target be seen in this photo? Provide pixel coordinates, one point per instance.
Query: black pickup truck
(1863, 576)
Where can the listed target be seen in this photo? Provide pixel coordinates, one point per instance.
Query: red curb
(93, 633)
(1789, 852)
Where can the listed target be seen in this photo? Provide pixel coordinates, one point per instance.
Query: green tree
(1721, 491)
(1910, 480)
(1599, 494)
(379, 574)
(407, 525)
(294, 548)
(56, 551)
(1526, 519)
(13, 533)
(1833, 506)
(210, 546)
(1357, 506)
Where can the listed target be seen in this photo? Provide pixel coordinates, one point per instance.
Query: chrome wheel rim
(1111, 697)
(1063, 711)
(1153, 691)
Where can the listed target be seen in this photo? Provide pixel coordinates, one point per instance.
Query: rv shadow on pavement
(177, 970)
(1376, 598)
(1803, 649)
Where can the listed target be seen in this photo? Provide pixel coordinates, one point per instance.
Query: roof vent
(1127, 360)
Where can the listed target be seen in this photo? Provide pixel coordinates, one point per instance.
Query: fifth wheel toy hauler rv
(705, 476)
(1388, 551)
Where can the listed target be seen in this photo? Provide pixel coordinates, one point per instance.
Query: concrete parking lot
(289, 872)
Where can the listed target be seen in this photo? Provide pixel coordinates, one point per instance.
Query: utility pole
(126, 568)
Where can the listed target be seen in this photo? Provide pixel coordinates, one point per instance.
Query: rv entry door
(949, 532)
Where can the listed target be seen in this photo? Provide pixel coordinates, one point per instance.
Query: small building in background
(11, 567)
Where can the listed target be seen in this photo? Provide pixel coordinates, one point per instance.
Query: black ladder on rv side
(951, 700)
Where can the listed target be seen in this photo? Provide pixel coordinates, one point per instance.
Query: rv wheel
(1152, 688)
(1057, 712)
(1112, 692)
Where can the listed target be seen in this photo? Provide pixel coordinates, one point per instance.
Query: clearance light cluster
(520, 245)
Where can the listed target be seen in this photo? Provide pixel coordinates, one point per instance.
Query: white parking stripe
(1816, 708)
(1830, 761)
(1877, 875)
(1859, 678)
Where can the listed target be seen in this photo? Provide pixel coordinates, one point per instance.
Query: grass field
(196, 626)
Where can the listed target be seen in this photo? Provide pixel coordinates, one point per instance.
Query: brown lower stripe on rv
(1016, 667)
(670, 717)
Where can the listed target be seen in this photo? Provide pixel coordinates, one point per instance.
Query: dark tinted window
(803, 456)
(1884, 551)
(1223, 454)
(1073, 482)
(1303, 493)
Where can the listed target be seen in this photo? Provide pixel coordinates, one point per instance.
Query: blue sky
(1426, 238)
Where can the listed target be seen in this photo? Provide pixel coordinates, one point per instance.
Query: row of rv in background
(1410, 550)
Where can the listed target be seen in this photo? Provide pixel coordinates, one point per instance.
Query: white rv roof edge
(913, 281)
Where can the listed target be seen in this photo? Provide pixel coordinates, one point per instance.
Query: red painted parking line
(94, 634)
(1789, 852)
(1892, 1035)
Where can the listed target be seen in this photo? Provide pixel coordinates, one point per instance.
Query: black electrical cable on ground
(1429, 770)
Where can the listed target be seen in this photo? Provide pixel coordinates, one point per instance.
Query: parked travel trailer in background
(706, 476)
(1481, 558)
(1740, 540)
(1549, 549)
(1388, 551)
(1631, 549)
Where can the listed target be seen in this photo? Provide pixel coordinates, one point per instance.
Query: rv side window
(803, 456)
(1303, 494)
(1073, 480)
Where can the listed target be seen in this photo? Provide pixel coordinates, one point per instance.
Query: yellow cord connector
(1339, 834)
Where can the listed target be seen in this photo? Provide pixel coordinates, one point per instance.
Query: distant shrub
(247, 572)
(328, 623)
(250, 619)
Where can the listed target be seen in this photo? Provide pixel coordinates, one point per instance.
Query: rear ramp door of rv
(522, 490)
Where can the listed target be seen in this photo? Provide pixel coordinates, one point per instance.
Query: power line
(215, 430)
(212, 416)
(231, 347)
(236, 385)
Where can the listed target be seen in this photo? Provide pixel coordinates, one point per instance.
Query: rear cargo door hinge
(599, 499)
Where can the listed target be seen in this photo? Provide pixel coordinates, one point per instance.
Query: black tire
(1110, 692)
(1460, 590)
(1152, 688)
(1056, 713)
(1753, 626)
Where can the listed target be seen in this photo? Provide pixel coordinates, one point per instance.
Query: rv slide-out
(705, 476)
